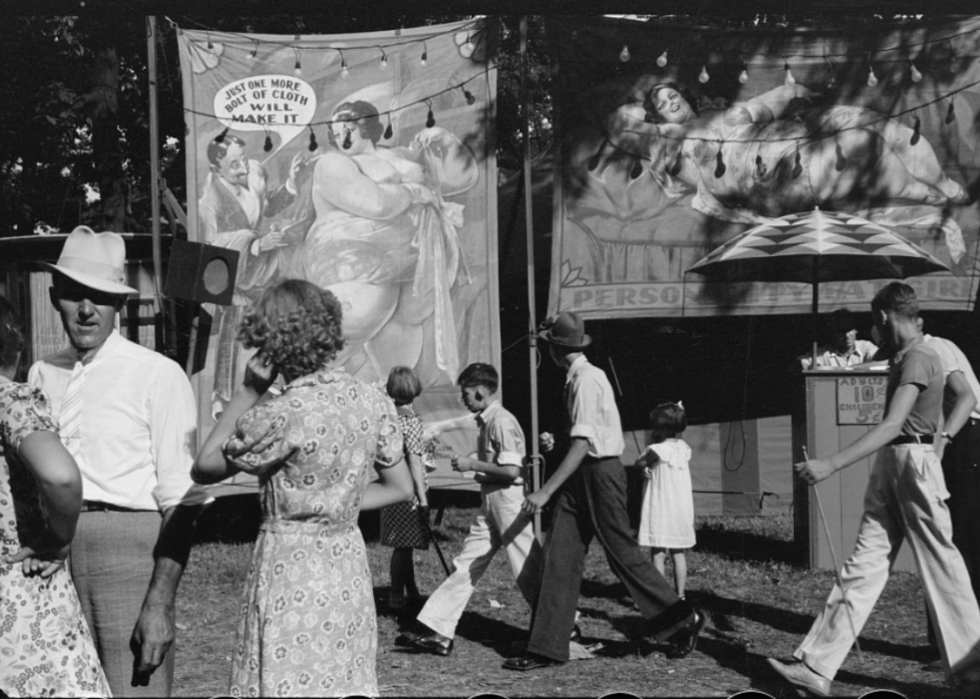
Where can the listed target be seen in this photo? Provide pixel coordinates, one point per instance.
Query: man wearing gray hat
(589, 487)
(128, 416)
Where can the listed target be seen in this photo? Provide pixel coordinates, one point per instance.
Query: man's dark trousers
(592, 503)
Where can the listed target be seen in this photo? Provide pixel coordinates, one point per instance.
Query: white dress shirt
(138, 424)
(953, 359)
(592, 408)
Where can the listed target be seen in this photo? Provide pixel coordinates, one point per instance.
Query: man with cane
(905, 499)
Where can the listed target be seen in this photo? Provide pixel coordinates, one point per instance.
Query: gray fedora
(568, 330)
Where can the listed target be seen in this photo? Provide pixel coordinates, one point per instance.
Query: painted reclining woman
(782, 152)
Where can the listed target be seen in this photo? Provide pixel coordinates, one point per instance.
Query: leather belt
(98, 506)
(912, 439)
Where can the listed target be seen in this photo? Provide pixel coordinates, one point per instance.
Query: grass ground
(758, 605)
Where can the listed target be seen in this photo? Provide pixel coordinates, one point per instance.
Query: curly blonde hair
(297, 325)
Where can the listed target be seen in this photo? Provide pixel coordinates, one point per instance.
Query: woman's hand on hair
(260, 373)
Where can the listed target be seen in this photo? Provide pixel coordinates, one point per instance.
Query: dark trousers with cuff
(592, 504)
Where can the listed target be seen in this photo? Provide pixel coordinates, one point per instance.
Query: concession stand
(839, 406)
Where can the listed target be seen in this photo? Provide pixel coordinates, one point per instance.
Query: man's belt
(98, 506)
(912, 439)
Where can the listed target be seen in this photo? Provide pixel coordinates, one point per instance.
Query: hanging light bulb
(210, 45)
(313, 144)
(297, 68)
(384, 60)
(798, 166)
(914, 72)
(430, 118)
(388, 129)
(221, 136)
(789, 80)
(872, 78)
(720, 163)
(662, 59)
(470, 99)
(425, 55)
(675, 169)
(950, 113)
(344, 70)
(255, 50)
(624, 55)
(743, 77)
(348, 141)
(594, 160)
(704, 77)
(916, 129)
(268, 142)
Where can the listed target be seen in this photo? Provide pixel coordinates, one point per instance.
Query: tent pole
(815, 310)
(151, 64)
(535, 458)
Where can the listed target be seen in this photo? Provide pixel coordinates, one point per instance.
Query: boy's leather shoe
(529, 661)
(434, 643)
(802, 676)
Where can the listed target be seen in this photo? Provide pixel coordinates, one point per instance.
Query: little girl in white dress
(667, 517)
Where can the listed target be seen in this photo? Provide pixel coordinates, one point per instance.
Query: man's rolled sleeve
(507, 441)
(173, 436)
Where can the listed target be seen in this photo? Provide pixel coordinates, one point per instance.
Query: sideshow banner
(676, 139)
(361, 163)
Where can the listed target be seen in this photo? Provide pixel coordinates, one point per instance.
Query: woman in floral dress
(308, 624)
(45, 645)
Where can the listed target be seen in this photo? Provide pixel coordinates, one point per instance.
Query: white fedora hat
(95, 260)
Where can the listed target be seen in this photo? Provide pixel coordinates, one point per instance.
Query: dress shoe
(576, 636)
(529, 662)
(683, 643)
(802, 676)
(434, 643)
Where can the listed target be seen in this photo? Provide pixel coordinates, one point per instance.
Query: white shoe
(802, 676)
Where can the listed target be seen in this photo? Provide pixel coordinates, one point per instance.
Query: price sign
(861, 399)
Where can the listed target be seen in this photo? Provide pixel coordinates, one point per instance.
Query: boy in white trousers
(500, 523)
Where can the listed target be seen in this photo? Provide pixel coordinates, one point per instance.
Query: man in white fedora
(589, 491)
(128, 416)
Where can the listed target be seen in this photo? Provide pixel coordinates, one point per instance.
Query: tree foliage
(75, 115)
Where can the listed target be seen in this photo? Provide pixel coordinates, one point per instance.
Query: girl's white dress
(667, 519)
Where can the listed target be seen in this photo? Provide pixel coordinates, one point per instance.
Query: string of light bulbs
(430, 120)
(251, 45)
(761, 168)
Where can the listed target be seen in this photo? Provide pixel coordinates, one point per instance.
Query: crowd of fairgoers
(101, 488)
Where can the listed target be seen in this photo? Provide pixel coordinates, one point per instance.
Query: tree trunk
(103, 103)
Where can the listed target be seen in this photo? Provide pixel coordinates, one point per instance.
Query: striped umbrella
(814, 247)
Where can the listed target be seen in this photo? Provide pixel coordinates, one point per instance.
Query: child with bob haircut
(401, 524)
(667, 518)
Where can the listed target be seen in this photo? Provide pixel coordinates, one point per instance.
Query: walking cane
(424, 517)
(840, 580)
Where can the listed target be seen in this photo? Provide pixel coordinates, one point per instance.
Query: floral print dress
(45, 645)
(308, 625)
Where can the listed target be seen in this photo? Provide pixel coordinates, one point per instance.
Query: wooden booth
(839, 406)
